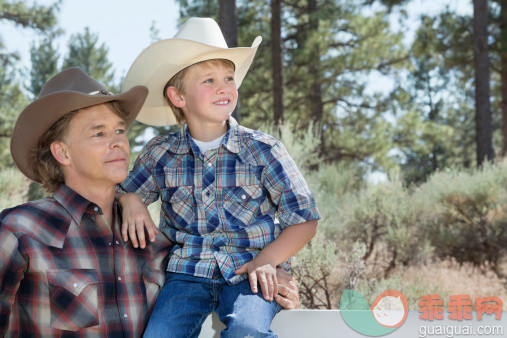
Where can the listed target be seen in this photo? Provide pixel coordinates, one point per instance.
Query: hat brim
(41, 114)
(159, 62)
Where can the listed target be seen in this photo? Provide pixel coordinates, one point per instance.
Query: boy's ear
(175, 96)
(59, 151)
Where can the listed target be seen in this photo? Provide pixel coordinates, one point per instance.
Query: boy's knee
(247, 328)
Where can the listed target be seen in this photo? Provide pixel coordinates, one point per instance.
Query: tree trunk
(483, 126)
(227, 20)
(316, 88)
(503, 74)
(276, 59)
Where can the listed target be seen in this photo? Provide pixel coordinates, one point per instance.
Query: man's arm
(288, 293)
(12, 265)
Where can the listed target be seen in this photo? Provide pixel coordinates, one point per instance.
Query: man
(64, 269)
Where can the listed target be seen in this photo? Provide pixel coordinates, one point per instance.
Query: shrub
(470, 213)
(13, 188)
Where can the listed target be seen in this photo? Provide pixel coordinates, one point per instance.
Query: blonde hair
(178, 82)
(47, 167)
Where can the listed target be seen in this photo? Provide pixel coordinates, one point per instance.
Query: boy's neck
(206, 132)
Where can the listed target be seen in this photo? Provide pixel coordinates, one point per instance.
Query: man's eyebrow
(100, 126)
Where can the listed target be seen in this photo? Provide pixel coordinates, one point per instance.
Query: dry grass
(452, 278)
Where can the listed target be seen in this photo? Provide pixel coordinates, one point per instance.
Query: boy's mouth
(223, 102)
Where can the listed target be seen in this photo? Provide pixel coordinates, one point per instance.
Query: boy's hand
(136, 218)
(264, 274)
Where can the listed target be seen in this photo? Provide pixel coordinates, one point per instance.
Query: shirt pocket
(180, 203)
(241, 204)
(73, 298)
(153, 282)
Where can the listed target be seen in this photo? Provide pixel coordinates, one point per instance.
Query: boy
(221, 186)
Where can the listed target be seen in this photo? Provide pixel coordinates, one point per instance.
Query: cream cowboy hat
(69, 90)
(199, 39)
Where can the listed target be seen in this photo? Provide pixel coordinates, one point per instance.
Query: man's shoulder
(27, 218)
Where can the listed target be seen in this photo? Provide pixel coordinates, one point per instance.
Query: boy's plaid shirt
(65, 272)
(220, 207)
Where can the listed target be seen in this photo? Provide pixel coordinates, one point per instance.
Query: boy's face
(210, 94)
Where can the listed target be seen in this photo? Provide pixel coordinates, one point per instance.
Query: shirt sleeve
(288, 190)
(12, 267)
(140, 179)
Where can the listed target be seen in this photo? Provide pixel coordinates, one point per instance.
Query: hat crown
(203, 30)
(71, 79)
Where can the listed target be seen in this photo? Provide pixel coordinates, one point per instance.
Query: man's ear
(175, 96)
(60, 153)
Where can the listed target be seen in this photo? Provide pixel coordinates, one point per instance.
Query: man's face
(96, 147)
(210, 93)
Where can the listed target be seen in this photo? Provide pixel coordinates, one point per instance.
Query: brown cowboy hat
(69, 90)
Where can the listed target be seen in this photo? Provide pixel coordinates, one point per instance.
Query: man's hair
(178, 81)
(47, 167)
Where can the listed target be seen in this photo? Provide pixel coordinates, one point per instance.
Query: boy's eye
(208, 81)
(230, 78)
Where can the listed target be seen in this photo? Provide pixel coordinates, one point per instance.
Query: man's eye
(120, 131)
(99, 134)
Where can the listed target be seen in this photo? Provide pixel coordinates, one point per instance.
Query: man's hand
(136, 219)
(264, 274)
(288, 293)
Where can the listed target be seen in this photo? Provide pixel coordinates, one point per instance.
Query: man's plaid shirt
(220, 207)
(65, 272)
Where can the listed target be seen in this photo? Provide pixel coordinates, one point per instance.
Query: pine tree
(85, 52)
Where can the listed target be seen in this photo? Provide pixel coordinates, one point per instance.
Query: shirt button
(243, 197)
(119, 278)
(95, 209)
(208, 193)
(210, 164)
(117, 242)
(125, 315)
(75, 285)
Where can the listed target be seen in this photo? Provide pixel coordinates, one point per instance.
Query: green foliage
(85, 52)
(13, 187)
(469, 219)
(313, 267)
(12, 101)
(385, 215)
(44, 58)
(35, 17)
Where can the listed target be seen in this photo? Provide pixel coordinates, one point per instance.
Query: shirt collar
(231, 141)
(71, 201)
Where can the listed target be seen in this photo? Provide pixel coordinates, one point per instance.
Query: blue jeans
(185, 301)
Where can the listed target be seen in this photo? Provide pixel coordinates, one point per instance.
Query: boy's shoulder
(254, 136)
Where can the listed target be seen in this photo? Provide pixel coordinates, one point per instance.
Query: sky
(124, 25)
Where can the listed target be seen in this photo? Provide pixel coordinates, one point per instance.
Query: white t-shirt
(204, 146)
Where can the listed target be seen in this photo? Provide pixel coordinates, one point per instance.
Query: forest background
(401, 133)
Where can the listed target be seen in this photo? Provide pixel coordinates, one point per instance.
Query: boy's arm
(262, 269)
(137, 191)
(135, 220)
